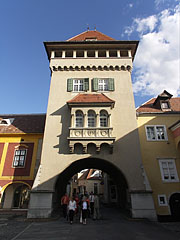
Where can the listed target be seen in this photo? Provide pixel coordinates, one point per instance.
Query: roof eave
(51, 44)
(108, 104)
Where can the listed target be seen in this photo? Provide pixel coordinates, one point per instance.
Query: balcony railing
(90, 133)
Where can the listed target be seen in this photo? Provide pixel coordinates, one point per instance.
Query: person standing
(91, 199)
(84, 210)
(71, 209)
(64, 204)
(96, 214)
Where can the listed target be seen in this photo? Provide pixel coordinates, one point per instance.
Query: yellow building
(159, 131)
(20, 150)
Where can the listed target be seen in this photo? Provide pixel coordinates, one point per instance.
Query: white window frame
(155, 130)
(103, 85)
(165, 200)
(170, 172)
(78, 85)
(17, 158)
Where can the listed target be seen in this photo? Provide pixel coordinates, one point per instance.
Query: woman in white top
(84, 210)
(71, 208)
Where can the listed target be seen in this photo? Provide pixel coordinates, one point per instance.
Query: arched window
(103, 119)
(91, 119)
(79, 119)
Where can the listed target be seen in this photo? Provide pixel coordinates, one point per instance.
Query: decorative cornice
(92, 68)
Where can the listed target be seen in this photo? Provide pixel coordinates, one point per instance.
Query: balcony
(95, 135)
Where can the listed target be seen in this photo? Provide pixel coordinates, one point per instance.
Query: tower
(91, 122)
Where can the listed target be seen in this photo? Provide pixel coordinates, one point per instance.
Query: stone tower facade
(91, 122)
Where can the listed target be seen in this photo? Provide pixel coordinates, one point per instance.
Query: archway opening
(115, 188)
(16, 195)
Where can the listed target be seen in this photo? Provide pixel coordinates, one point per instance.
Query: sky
(25, 25)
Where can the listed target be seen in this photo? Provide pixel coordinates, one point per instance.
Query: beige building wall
(126, 154)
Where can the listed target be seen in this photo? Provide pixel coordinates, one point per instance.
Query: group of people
(83, 206)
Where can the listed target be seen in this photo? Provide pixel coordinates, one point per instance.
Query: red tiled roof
(149, 107)
(91, 35)
(90, 98)
(87, 175)
(24, 123)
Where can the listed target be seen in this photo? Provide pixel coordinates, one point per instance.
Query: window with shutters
(156, 133)
(168, 170)
(102, 84)
(19, 158)
(77, 84)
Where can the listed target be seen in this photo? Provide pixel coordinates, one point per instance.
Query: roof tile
(149, 107)
(24, 123)
(91, 98)
(96, 35)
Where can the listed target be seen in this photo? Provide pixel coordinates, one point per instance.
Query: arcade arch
(16, 195)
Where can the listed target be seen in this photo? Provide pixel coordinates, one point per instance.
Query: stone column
(74, 54)
(107, 53)
(85, 53)
(118, 53)
(52, 54)
(129, 53)
(63, 54)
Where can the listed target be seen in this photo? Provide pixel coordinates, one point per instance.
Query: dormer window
(6, 122)
(164, 105)
(163, 101)
(90, 39)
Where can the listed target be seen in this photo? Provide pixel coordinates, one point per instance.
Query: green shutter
(70, 84)
(86, 84)
(95, 84)
(111, 84)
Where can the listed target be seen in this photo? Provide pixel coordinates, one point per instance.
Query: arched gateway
(91, 121)
(93, 163)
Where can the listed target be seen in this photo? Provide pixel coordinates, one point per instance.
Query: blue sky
(25, 25)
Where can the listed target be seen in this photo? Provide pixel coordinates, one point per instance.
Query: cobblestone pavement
(11, 226)
(113, 225)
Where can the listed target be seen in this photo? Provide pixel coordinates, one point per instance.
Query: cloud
(157, 61)
(142, 25)
(130, 5)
